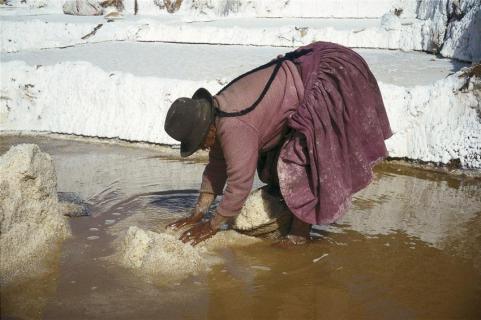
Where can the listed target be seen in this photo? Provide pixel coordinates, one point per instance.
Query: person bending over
(311, 122)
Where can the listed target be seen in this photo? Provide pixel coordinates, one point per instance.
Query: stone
(82, 8)
(73, 205)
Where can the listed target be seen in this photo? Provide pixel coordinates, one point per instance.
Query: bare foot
(291, 241)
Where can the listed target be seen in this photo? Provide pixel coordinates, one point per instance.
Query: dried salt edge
(321, 257)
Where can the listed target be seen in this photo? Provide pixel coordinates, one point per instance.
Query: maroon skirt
(338, 134)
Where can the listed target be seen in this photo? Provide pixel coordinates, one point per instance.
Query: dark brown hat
(188, 120)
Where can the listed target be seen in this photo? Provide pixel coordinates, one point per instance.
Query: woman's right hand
(203, 203)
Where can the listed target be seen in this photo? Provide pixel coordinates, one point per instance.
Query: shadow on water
(408, 248)
(175, 200)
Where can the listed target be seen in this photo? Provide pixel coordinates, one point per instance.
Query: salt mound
(161, 256)
(159, 253)
(31, 220)
(264, 214)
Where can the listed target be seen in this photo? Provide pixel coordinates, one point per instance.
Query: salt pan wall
(437, 122)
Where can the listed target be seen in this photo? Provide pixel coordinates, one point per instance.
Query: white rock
(82, 7)
(30, 215)
(463, 37)
(435, 123)
(390, 22)
(453, 27)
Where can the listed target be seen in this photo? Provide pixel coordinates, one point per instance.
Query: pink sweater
(240, 140)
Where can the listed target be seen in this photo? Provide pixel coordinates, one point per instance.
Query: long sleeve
(240, 146)
(215, 173)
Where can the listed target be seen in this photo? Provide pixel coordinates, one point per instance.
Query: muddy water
(410, 248)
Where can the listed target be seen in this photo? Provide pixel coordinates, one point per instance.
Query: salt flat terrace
(27, 30)
(215, 62)
(243, 22)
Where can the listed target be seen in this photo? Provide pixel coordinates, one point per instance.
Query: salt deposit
(160, 253)
(267, 8)
(262, 214)
(163, 258)
(144, 245)
(463, 35)
(436, 122)
(31, 217)
(448, 26)
(452, 27)
(82, 7)
(17, 34)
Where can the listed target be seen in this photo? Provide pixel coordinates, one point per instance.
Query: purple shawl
(338, 134)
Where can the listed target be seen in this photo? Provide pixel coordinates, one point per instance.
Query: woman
(312, 122)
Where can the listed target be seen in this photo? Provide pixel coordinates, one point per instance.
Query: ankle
(299, 228)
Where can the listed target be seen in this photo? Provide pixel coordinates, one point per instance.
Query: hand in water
(192, 219)
(198, 233)
(203, 230)
(203, 203)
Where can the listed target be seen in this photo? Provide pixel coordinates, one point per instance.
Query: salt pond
(210, 62)
(409, 248)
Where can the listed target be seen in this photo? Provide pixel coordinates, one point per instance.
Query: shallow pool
(408, 249)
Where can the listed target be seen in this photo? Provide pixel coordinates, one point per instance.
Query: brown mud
(410, 248)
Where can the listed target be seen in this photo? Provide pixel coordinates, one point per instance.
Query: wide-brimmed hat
(188, 120)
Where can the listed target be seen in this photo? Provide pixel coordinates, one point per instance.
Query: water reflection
(439, 210)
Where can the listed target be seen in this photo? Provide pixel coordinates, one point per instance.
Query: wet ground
(410, 248)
